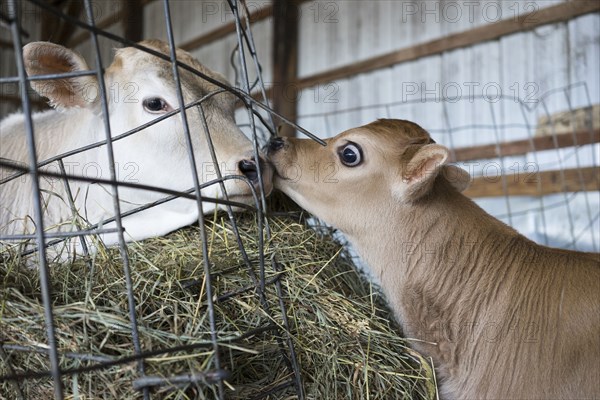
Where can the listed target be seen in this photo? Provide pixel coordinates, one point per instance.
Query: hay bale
(346, 345)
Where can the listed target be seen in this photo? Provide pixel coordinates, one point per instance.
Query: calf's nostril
(249, 169)
(276, 144)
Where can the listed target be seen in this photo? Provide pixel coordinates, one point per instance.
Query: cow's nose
(276, 143)
(249, 169)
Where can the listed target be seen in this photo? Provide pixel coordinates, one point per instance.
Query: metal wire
(261, 128)
(135, 335)
(213, 377)
(196, 181)
(293, 363)
(38, 216)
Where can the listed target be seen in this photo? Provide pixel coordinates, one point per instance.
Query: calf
(140, 88)
(501, 316)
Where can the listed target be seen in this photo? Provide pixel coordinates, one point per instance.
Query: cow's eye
(350, 155)
(156, 105)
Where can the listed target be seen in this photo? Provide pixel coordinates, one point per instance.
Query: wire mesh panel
(203, 313)
(217, 168)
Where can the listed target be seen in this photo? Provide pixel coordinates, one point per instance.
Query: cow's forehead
(130, 61)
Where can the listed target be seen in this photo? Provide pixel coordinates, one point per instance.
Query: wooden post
(285, 61)
(133, 20)
(57, 30)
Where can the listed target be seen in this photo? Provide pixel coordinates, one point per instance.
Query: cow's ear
(418, 175)
(44, 58)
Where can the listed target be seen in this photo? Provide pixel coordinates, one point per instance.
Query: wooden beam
(519, 147)
(133, 20)
(48, 26)
(105, 23)
(537, 184)
(285, 62)
(548, 15)
(6, 44)
(58, 30)
(226, 29)
(66, 29)
(36, 102)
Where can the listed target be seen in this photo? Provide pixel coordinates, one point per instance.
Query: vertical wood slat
(109, 21)
(133, 20)
(285, 61)
(57, 30)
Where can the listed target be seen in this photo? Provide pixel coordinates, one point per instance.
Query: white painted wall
(533, 67)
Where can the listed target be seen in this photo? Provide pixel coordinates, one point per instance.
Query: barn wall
(195, 18)
(531, 66)
(524, 65)
(337, 33)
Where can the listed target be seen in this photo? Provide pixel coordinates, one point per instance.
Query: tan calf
(502, 316)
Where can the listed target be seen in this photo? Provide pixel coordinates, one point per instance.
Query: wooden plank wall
(524, 64)
(9, 93)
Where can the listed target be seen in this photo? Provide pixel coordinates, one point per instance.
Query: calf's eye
(350, 155)
(155, 105)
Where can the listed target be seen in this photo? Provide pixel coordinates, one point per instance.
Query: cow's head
(141, 87)
(388, 164)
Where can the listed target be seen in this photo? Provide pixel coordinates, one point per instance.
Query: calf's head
(388, 164)
(141, 87)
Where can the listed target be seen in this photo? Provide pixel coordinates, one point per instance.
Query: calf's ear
(419, 173)
(44, 58)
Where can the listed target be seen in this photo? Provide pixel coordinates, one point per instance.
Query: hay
(346, 345)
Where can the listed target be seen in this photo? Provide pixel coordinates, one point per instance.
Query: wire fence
(566, 217)
(263, 271)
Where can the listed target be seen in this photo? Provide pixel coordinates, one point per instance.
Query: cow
(140, 87)
(501, 317)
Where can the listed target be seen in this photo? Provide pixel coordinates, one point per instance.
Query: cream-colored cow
(502, 317)
(140, 87)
